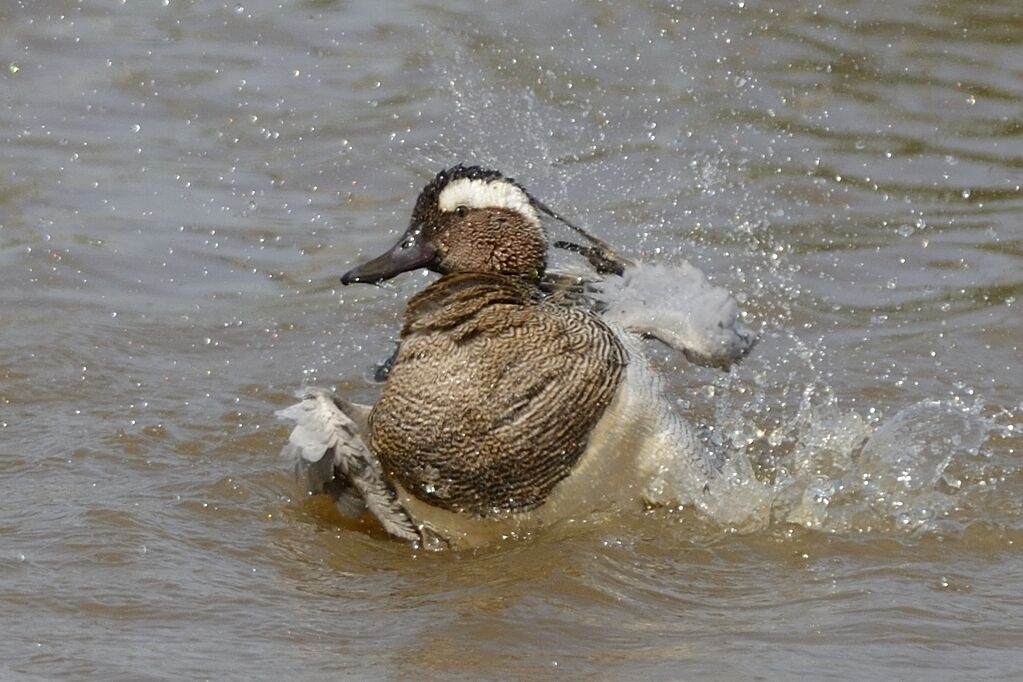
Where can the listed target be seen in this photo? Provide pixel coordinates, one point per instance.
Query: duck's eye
(461, 211)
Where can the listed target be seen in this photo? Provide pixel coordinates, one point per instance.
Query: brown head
(467, 219)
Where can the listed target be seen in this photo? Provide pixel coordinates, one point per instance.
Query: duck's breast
(485, 412)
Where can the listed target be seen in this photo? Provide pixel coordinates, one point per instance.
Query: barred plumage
(493, 394)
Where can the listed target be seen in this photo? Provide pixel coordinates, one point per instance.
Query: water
(183, 181)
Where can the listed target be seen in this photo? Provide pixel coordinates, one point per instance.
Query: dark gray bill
(410, 253)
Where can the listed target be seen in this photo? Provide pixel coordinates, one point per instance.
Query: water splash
(827, 468)
(790, 451)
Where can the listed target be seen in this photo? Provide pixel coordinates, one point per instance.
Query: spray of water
(789, 450)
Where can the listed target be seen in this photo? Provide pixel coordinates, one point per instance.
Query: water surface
(181, 183)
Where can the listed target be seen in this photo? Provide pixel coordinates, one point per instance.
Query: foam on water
(833, 471)
(804, 457)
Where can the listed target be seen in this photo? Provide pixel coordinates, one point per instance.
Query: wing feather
(331, 458)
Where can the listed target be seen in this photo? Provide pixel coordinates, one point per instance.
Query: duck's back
(493, 394)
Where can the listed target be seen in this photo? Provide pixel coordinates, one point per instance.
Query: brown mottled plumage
(493, 394)
(489, 240)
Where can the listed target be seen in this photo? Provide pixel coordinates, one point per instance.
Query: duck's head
(467, 219)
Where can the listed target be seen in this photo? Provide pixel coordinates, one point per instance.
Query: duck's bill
(408, 254)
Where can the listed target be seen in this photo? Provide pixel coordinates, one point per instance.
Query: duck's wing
(675, 304)
(331, 458)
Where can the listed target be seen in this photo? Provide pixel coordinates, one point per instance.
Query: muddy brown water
(182, 181)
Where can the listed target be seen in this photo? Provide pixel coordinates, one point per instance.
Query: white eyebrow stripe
(483, 194)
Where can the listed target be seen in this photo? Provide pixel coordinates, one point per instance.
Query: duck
(519, 397)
